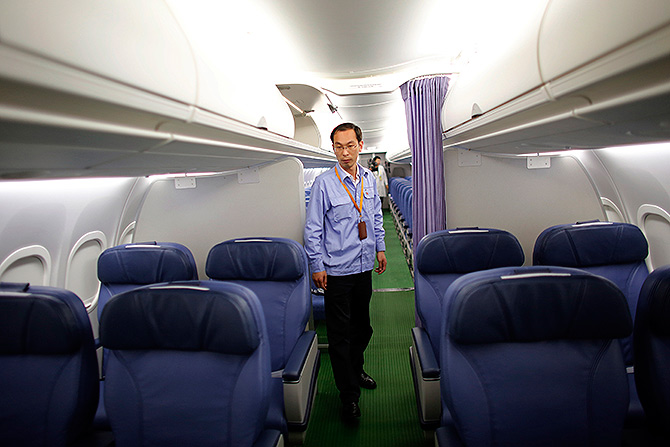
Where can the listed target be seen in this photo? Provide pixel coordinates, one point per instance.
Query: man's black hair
(347, 126)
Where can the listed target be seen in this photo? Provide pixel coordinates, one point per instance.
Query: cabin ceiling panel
(152, 163)
(381, 117)
(188, 149)
(29, 161)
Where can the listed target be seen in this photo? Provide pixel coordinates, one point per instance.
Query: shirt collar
(359, 171)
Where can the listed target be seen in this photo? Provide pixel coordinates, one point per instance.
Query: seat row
(451, 261)
(400, 192)
(226, 361)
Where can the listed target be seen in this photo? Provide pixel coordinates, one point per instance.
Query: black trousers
(347, 301)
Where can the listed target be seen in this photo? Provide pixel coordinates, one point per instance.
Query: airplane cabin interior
(164, 152)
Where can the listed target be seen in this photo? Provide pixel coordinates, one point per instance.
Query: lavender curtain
(424, 98)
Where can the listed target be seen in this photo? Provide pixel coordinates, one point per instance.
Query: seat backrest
(444, 256)
(276, 270)
(614, 250)
(529, 358)
(189, 364)
(48, 367)
(129, 266)
(400, 190)
(652, 348)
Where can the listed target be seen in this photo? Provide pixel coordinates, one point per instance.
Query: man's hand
(320, 278)
(381, 259)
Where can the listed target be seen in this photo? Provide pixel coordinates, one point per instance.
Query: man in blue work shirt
(344, 234)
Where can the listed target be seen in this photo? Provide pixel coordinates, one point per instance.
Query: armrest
(448, 437)
(424, 350)
(268, 438)
(296, 362)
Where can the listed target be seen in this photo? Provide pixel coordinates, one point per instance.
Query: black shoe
(351, 412)
(366, 381)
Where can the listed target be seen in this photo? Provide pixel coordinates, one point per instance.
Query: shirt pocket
(369, 197)
(369, 192)
(341, 208)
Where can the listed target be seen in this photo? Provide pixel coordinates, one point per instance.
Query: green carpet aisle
(389, 416)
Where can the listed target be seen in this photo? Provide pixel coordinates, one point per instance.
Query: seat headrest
(657, 288)
(36, 323)
(530, 304)
(265, 259)
(467, 250)
(146, 263)
(590, 244)
(184, 316)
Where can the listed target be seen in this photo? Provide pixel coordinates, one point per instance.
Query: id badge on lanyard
(362, 230)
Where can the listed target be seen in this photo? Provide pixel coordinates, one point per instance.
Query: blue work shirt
(331, 227)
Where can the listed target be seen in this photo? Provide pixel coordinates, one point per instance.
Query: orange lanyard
(358, 208)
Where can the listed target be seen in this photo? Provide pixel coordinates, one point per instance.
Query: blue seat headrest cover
(37, 324)
(145, 263)
(528, 305)
(468, 250)
(590, 244)
(256, 259)
(184, 316)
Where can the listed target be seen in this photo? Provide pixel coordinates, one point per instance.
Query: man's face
(347, 148)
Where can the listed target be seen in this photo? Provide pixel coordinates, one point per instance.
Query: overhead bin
(313, 112)
(576, 38)
(110, 88)
(505, 67)
(229, 86)
(227, 89)
(137, 44)
(603, 69)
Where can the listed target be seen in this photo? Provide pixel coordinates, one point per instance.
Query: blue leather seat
(613, 250)
(441, 258)
(276, 269)
(129, 266)
(652, 349)
(189, 364)
(530, 358)
(48, 367)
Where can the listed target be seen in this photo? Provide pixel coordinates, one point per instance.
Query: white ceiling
(353, 38)
(356, 52)
(360, 52)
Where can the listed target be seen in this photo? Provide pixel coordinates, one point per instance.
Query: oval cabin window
(82, 268)
(30, 264)
(655, 223)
